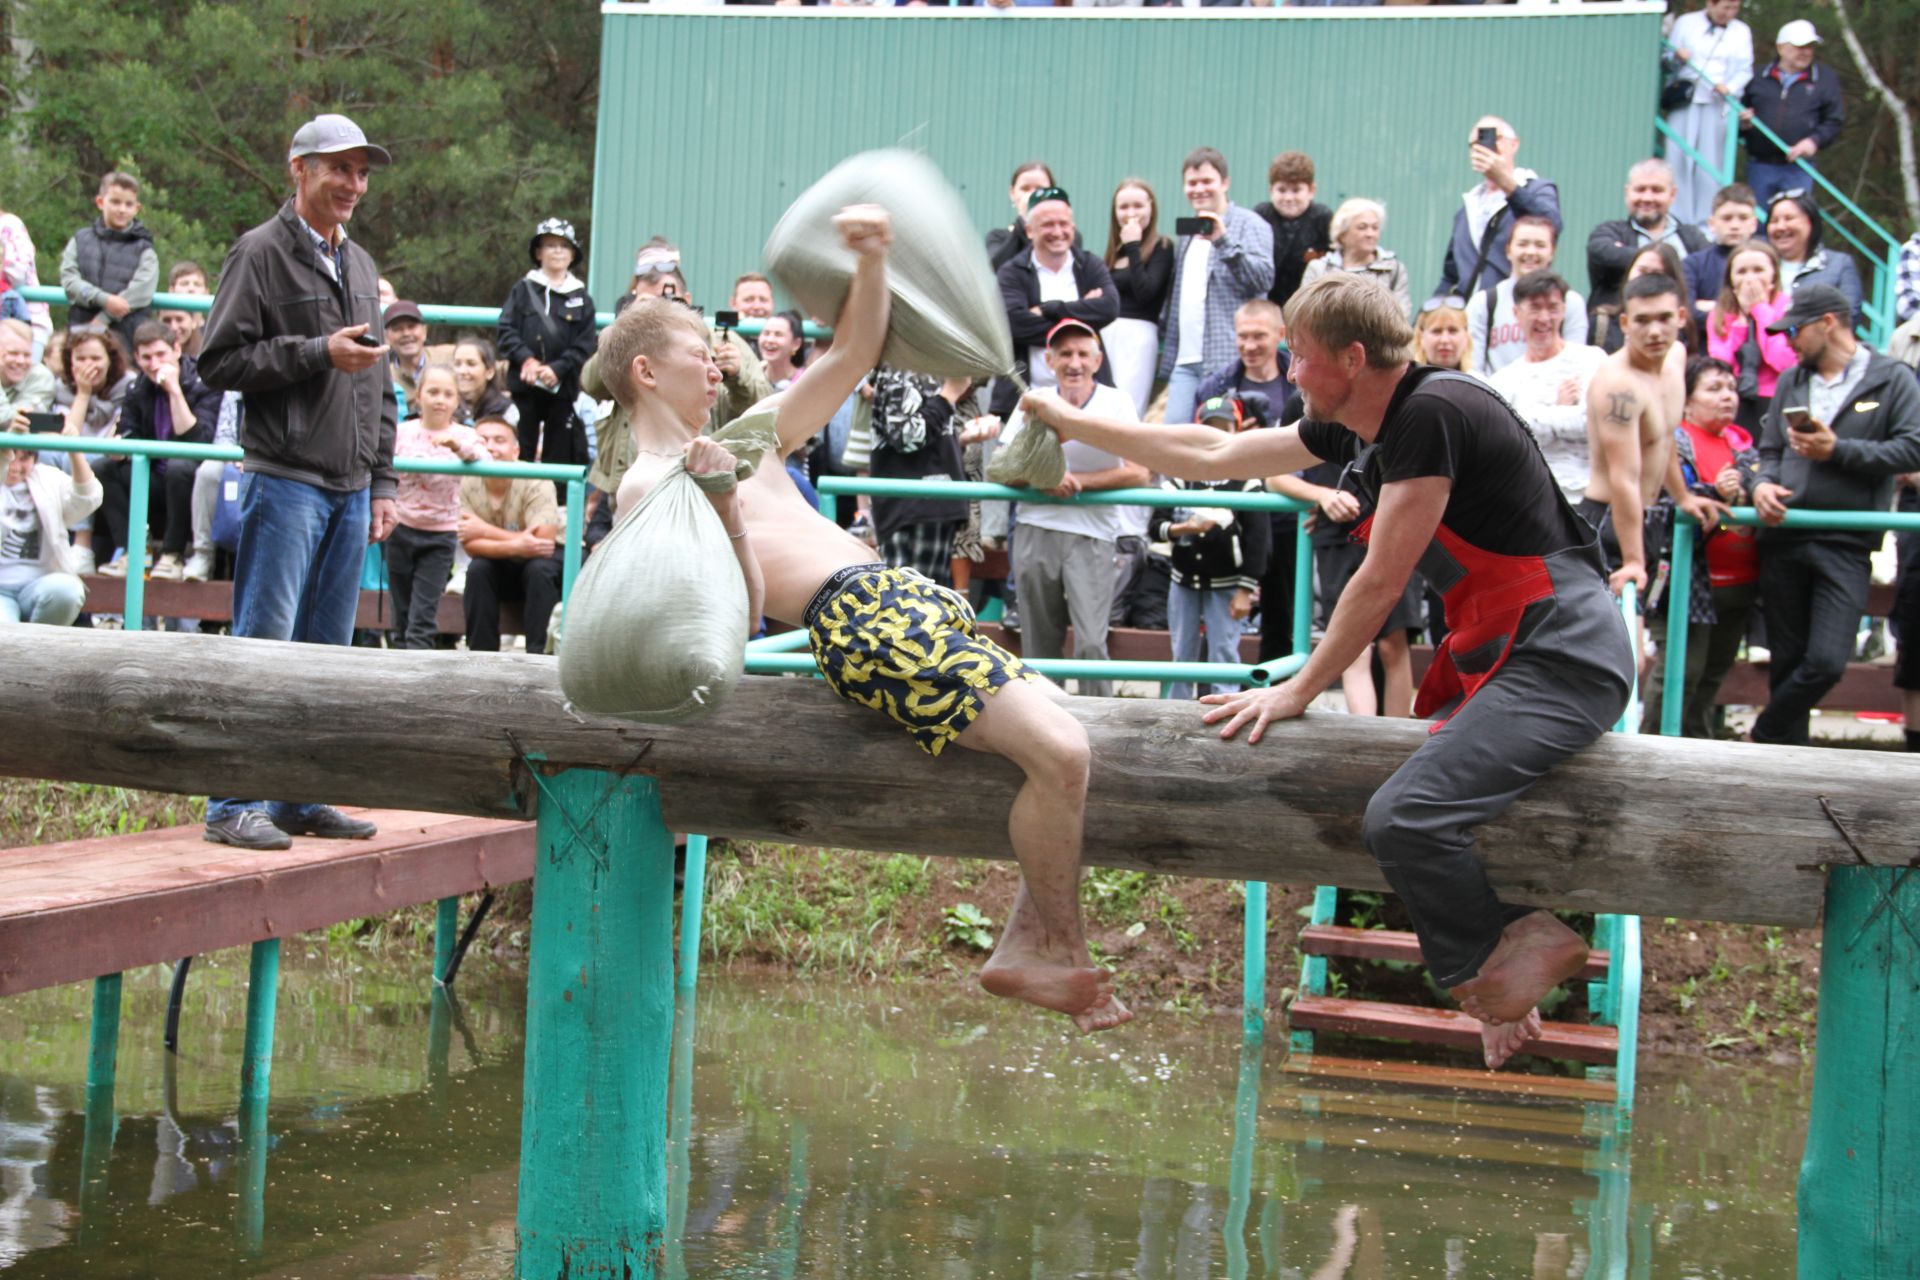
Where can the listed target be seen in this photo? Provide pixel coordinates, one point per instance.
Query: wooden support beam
(1638, 825)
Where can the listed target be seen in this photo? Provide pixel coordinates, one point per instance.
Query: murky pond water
(861, 1133)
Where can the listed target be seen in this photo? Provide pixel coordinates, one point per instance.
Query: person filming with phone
(1223, 257)
(1843, 425)
(295, 328)
(1477, 250)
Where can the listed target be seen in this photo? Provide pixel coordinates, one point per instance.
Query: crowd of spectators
(1170, 316)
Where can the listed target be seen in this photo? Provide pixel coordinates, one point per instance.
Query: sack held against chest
(657, 625)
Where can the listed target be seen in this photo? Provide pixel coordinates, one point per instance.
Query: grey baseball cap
(327, 135)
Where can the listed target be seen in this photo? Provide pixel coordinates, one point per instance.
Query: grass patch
(818, 910)
(37, 812)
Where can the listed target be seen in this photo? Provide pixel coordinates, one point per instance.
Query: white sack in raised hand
(948, 319)
(657, 624)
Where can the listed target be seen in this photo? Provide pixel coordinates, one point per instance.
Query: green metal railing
(1879, 309)
(141, 453)
(469, 317)
(1674, 652)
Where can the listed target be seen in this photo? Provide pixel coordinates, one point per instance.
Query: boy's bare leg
(1042, 957)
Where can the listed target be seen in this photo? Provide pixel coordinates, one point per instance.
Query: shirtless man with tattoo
(1633, 407)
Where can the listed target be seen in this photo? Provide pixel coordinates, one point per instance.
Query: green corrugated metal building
(713, 119)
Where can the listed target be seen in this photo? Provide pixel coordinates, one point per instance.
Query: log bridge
(1634, 825)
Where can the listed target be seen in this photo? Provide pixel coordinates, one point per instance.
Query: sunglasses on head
(657, 267)
(1452, 302)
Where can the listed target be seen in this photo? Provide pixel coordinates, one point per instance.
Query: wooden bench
(213, 602)
(89, 907)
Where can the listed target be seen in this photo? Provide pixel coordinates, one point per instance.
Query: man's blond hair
(643, 329)
(1342, 308)
(18, 328)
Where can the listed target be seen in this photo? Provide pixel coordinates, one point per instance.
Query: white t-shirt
(1106, 523)
(1533, 389)
(1504, 342)
(1055, 286)
(1193, 300)
(19, 538)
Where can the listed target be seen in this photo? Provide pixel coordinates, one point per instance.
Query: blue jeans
(1769, 180)
(1187, 608)
(52, 598)
(1183, 392)
(296, 577)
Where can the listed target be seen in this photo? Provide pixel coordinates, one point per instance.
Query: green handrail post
(1253, 1002)
(693, 892)
(576, 536)
(1733, 142)
(679, 1133)
(446, 936)
(1623, 984)
(1313, 969)
(593, 1135)
(139, 488)
(96, 1146)
(1860, 1176)
(1302, 594)
(1673, 662)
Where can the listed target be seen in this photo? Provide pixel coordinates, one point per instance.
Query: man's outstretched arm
(858, 334)
(1185, 452)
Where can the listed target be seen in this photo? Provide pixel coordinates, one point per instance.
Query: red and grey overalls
(1535, 666)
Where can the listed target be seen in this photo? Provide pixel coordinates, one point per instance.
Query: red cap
(1071, 323)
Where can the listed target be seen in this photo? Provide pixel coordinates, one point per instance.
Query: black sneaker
(328, 823)
(248, 829)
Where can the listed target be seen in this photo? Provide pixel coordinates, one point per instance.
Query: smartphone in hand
(726, 319)
(1192, 226)
(1488, 137)
(366, 339)
(1799, 417)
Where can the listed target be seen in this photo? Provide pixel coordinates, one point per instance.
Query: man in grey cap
(295, 329)
(1843, 425)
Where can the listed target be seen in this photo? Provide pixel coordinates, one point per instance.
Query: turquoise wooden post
(1860, 1178)
(1673, 670)
(693, 896)
(446, 936)
(96, 1145)
(139, 485)
(1302, 593)
(679, 1134)
(1253, 1003)
(593, 1134)
(1313, 969)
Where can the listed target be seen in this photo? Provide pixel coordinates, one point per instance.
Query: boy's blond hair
(125, 181)
(643, 329)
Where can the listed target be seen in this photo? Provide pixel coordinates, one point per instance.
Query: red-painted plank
(1449, 1027)
(1392, 944)
(126, 901)
(1420, 1074)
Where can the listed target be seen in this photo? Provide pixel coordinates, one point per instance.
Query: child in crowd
(1302, 226)
(187, 326)
(110, 266)
(547, 332)
(1218, 555)
(420, 550)
(1734, 221)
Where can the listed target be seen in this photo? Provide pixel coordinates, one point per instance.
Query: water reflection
(859, 1134)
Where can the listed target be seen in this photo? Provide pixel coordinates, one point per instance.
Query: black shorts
(1336, 566)
(890, 640)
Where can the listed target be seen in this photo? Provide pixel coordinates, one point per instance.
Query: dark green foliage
(488, 110)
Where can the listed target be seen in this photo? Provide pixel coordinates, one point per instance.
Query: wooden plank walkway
(77, 910)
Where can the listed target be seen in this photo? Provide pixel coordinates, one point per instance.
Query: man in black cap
(292, 329)
(406, 333)
(1844, 423)
(547, 334)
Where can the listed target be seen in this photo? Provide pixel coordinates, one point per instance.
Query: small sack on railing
(657, 625)
(1029, 455)
(948, 319)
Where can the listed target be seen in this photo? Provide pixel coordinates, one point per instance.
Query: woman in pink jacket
(1750, 300)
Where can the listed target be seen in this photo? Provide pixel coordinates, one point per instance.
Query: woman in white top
(39, 575)
(1357, 226)
(782, 348)
(1714, 53)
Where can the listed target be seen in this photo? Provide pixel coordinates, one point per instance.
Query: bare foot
(1036, 980)
(1103, 1016)
(1501, 1042)
(1536, 954)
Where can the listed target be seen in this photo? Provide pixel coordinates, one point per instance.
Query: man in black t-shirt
(1536, 664)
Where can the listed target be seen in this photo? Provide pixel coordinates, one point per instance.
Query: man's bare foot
(1063, 988)
(1536, 954)
(1502, 1042)
(1104, 1016)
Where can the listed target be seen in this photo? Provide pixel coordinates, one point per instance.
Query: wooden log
(1649, 826)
